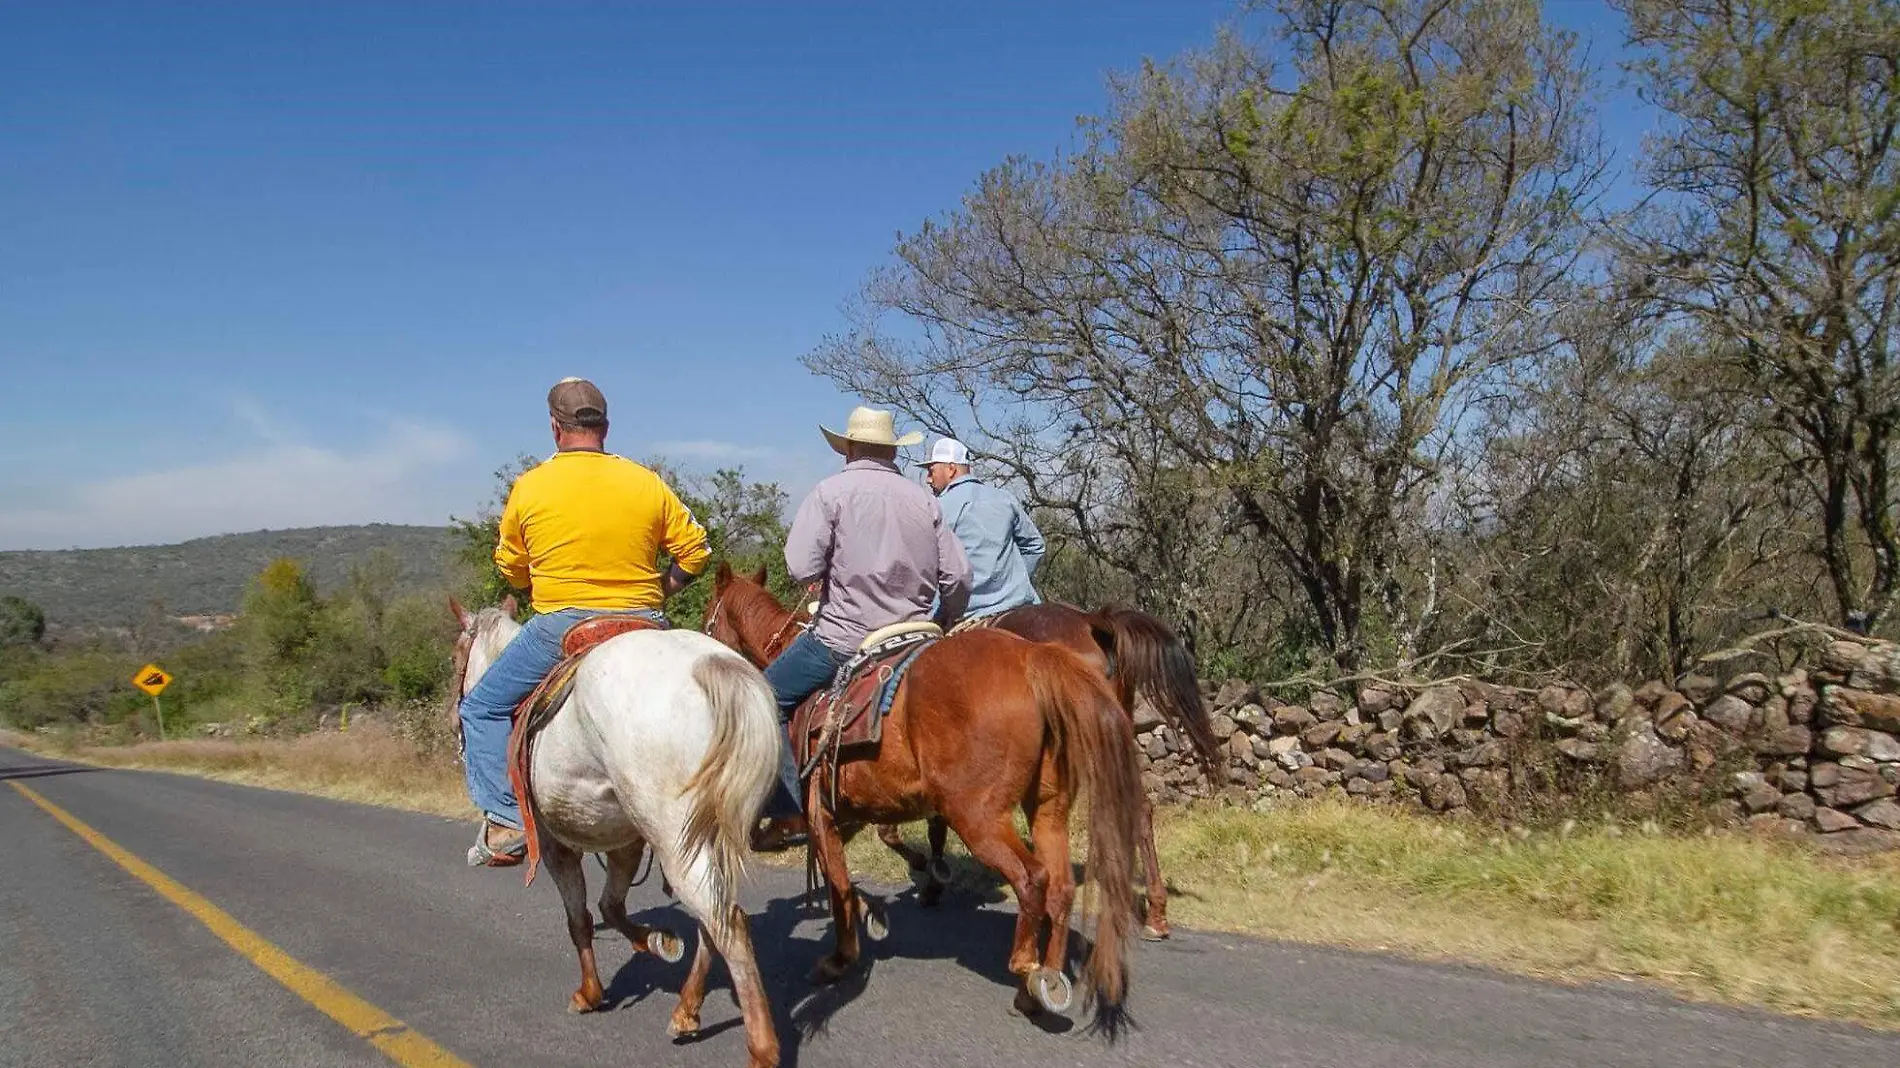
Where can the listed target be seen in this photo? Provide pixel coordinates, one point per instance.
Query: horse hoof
(666, 945)
(940, 871)
(1151, 933)
(1051, 989)
(679, 1028)
(930, 895)
(580, 1004)
(877, 927)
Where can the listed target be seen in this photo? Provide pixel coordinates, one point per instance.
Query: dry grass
(1727, 918)
(370, 763)
(1724, 917)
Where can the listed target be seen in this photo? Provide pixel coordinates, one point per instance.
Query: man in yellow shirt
(582, 532)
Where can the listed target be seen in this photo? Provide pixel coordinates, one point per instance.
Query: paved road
(96, 968)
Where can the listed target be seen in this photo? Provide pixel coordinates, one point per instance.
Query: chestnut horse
(984, 723)
(1136, 652)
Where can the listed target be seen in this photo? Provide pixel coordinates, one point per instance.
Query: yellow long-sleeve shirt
(585, 528)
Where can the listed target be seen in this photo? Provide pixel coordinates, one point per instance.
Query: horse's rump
(540, 706)
(726, 792)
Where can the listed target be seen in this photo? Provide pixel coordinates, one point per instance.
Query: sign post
(152, 679)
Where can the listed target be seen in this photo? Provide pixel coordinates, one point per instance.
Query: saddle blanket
(540, 706)
(847, 720)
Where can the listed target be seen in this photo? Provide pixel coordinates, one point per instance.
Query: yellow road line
(393, 1037)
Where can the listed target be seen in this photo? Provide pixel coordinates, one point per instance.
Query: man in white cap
(876, 544)
(1002, 542)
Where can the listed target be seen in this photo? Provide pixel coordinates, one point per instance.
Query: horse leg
(760, 1037)
(724, 924)
(937, 874)
(829, 845)
(996, 843)
(564, 867)
(621, 864)
(693, 992)
(891, 837)
(1156, 923)
(1049, 829)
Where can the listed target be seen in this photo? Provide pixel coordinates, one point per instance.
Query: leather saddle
(534, 712)
(846, 721)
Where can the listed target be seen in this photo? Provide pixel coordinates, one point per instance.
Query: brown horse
(984, 723)
(1144, 660)
(1136, 652)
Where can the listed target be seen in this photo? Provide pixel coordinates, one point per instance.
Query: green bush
(295, 655)
(21, 622)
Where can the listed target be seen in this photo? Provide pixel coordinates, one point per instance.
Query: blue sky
(270, 265)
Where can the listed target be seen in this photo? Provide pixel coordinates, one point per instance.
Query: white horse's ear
(508, 606)
(461, 614)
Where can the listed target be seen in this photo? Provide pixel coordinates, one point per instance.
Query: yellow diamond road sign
(152, 679)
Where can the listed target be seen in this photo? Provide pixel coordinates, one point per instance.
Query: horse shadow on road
(972, 879)
(790, 935)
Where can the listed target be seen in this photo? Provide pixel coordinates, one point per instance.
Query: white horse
(668, 740)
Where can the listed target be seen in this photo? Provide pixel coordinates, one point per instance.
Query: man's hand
(675, 580)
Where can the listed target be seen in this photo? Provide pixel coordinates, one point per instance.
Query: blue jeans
(805, 667)
(488, 710)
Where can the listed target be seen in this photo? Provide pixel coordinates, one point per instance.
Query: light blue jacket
(1001, 541)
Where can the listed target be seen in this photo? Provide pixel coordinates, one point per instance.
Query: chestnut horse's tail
(1095, 746)
(1150, 661)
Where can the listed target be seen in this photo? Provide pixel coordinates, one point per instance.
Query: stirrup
(774, 838)
(482, 855)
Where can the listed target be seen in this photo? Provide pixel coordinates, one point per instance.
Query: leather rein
(458, 674)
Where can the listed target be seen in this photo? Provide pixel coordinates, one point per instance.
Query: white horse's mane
(492, 629)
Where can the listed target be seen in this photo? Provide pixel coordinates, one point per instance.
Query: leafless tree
(1272, 282)
(1776, 228)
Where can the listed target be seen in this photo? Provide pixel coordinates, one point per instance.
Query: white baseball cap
(946, 451)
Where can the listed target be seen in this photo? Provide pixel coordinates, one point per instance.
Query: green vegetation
(124, 589)
(21, 622)
(291, 656)
(372, 636)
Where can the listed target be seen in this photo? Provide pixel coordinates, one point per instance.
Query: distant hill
(83, 588)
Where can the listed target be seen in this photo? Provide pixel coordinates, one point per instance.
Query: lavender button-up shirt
(879, 543)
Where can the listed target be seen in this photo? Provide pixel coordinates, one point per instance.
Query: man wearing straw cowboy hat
(878, 547)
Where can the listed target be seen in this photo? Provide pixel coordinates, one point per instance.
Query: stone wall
(1816, 749)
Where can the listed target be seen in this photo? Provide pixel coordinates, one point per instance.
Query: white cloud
(280, 484)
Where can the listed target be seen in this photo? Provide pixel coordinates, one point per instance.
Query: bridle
(765, 652)
(458, 674)
(712, 614)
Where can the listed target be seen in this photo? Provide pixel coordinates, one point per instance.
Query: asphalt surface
(97, 969)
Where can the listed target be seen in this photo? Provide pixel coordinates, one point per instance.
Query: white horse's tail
(724, 796)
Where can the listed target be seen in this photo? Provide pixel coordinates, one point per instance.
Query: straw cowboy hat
(868, 426)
